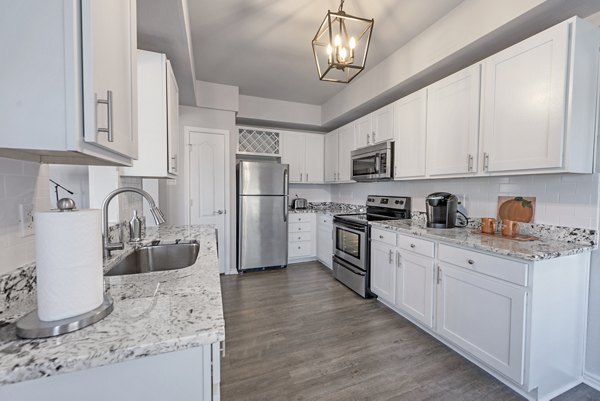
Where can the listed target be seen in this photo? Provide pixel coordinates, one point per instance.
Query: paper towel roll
(68, 262)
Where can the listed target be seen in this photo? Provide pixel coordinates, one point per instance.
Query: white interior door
(207, 186)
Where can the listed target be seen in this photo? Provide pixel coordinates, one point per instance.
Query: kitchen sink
(157, 257)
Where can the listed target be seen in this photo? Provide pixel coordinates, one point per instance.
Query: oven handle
(355, 228)
(349, 268)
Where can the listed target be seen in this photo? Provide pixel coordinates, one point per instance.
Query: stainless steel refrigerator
(262, 215)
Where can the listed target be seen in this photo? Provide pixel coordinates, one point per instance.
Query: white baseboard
(592, 380)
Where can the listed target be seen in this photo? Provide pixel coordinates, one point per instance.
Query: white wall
(256, 109)
(75, 179)
(567, 200)
(20, 183)
(313, 193)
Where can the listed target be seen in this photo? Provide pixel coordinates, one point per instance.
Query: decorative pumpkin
(517, 209)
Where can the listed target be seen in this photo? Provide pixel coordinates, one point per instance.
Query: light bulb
(329, 50)
(352, 42)
(337, 40)
(343, 54)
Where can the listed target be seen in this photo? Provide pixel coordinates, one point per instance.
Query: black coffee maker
(442, 209)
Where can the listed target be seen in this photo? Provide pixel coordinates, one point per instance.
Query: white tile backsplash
(562, 199)
(20, 183)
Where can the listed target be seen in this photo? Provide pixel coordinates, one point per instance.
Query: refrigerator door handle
(285, 209)
(286, 180)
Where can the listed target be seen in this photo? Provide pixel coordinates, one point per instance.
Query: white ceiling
(264, 46)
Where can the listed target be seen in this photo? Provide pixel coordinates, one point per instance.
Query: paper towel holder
(30, 325)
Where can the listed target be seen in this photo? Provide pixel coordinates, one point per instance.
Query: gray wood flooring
(297, 334)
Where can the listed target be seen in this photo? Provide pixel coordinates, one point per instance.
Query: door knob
(219, 212)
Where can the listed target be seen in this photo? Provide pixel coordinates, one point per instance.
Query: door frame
(188, 131)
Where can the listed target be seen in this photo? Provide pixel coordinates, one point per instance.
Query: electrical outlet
(462, 199)
(26, 219)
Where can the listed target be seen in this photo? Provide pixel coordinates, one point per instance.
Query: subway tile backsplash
(569, 200)
(21, 182)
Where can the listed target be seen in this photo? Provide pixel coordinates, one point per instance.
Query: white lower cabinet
(484, 316)
(301, 237)
(325, 239)
(522, 321)
(383, 270)
(414, 286)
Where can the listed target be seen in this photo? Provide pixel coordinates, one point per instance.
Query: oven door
(351, 244)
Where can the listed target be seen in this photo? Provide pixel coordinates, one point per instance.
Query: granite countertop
(469, 238)
(154, 313)
(330, 208)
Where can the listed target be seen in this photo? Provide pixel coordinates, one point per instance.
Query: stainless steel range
(352, 234)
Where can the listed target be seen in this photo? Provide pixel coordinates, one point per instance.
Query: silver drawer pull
(471, 261)
(299, 247)
(381, 236)
(109, 107)
(413, 246)
(299, 228)
(299, 237)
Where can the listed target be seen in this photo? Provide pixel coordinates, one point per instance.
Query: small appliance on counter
(442, 210)
(299, 203)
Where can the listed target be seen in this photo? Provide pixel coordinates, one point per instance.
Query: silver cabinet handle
(299, 228)
(373, 136)
(413, 246)
(299, 238)
(306, 177)
(471, 261)
(390, 256)
(109, 106)
(439, 274)
(381, 237)
(486, 161)
(300, 177)
(174, 165)
(219, 211)
(398, 260)
(368, 139)
(470, 168)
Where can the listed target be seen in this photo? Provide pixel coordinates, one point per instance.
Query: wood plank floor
(298, 334)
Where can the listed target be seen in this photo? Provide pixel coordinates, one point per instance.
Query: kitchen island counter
(154, 313)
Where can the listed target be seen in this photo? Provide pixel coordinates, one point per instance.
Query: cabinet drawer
(298, 227)
(416, 245)
(298, 249)
(299, 217)
(504, 269)
(387, 237)
(299, 236)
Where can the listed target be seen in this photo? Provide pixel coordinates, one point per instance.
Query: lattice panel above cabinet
(259, 142)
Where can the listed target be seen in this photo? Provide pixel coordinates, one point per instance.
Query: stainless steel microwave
(374, 162)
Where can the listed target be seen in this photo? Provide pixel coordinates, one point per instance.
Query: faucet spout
(158, 216)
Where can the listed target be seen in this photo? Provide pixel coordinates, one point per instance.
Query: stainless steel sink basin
(157, 257)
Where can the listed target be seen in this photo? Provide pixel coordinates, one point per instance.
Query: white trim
(591, 380)
(227, 234)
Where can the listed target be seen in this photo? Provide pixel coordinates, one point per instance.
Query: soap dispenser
(135, 228)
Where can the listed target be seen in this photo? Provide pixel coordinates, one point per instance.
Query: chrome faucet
(159, 217)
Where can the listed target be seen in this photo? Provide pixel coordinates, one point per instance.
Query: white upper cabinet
(346, 146)
(410, 122)
(331, 156)
(539, 102)
(71, 98)
(453, 123)
(158, 114)
(375, 127)
(305, 153)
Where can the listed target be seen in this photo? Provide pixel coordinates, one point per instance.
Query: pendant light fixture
(341, 46)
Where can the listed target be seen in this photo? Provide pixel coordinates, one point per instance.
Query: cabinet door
(294, 154)
(345, 146)
(324, 240)
(108, 34)
(383, 124)
(485, 317)
(383, 270)
(172, 121)
(410, 122)
(331, 156)
(363, 131)
(414, 286)
(453, 123)
(524, 103)
(314, 166)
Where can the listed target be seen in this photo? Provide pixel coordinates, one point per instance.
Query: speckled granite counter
(153, 313)
(466, 237)
(330, 208)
